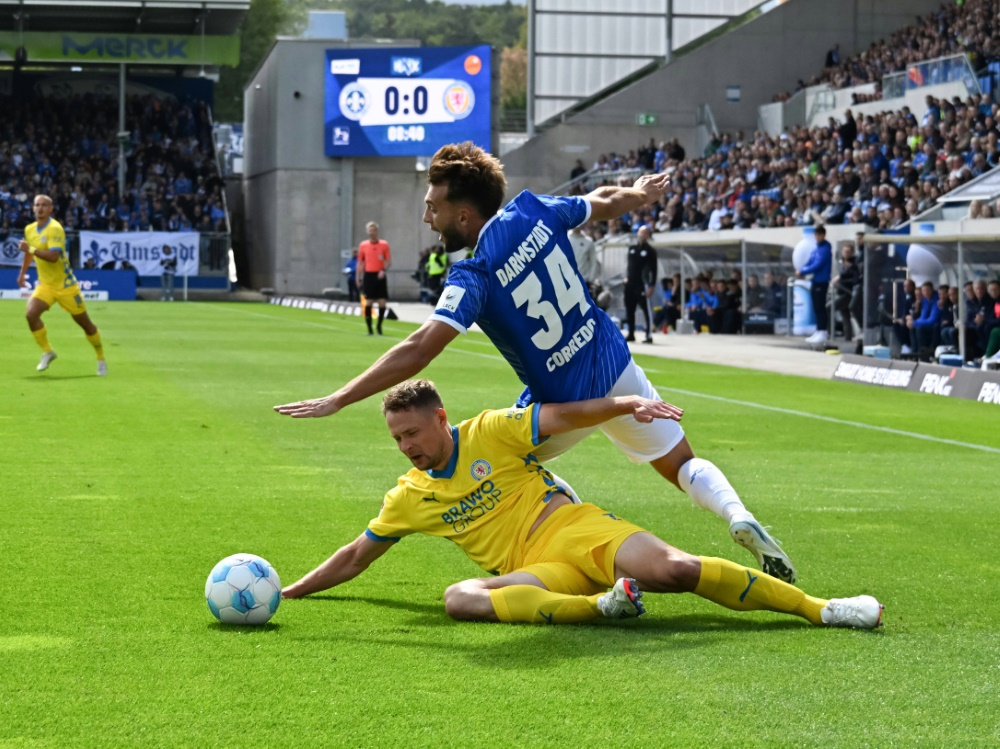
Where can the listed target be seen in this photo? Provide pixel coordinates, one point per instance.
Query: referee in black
(640, 280)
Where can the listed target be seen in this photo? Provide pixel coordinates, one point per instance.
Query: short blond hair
(370, 224)
(419, 394)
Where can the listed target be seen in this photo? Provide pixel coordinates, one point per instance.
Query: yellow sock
(531, 604)
(95, 341)
(743, 589)
(42, 339)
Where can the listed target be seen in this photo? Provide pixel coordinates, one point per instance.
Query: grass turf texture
(119, 494)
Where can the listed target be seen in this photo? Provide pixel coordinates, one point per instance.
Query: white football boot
(860, 612)
(770, 557)
(623, 601)
(47, 358)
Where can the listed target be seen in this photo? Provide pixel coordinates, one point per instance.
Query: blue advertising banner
(406, 102)
(96, 285)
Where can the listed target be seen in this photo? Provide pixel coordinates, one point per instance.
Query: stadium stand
(968, 28)
(880, 170)
(67, 148)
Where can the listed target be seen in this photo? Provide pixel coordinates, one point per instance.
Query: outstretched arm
(399, 363)
(607, 203)
(349, 562)
(556, 418)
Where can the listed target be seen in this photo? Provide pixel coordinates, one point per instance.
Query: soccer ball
(243, 589)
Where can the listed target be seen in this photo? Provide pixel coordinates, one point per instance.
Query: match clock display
(406, 102)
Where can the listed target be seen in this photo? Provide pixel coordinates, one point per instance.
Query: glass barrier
(955, 68)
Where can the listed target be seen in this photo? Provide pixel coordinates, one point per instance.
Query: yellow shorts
(70, 298)
(573, 551)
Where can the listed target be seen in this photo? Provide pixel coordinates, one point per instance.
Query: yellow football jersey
(52, 237)
(485, 500)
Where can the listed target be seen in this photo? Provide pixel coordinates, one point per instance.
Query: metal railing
(596, 177)
(704, 128)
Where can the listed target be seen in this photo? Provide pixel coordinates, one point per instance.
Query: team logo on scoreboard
(354, 101)
(480, 469)
(407, 66)
(459, 99)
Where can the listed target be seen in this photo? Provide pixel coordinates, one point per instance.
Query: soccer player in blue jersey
(479, 484)
(524, 290)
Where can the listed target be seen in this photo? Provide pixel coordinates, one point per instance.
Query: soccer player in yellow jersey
(479, 485)
(45, 243)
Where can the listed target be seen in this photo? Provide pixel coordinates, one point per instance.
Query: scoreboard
(406, 102)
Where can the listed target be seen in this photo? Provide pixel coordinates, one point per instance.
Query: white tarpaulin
(144, 250)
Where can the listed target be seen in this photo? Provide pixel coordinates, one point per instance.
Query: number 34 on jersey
(564, 279)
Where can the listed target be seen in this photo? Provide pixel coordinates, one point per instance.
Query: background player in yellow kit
(479, 485)
(45, 242)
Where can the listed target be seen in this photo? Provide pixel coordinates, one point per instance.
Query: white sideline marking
(748, 404)
(833, 420)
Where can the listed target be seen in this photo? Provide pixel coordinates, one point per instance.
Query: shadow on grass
(243, 628)
(435, 609)
(47, 378)
(530, 646)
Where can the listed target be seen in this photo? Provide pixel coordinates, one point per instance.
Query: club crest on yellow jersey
(480, 469)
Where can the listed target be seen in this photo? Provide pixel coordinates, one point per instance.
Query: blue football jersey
(523, 288)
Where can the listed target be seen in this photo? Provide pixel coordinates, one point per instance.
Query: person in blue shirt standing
(926, 324)
(350, 273)
(524, 290)
(819, 265)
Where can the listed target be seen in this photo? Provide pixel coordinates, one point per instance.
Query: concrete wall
(763, 57)
(303, 208)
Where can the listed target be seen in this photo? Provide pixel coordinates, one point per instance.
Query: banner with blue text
(143, 250)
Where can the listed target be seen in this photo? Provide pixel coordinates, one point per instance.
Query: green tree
(265, 20)
(513, 79)
(429, 22)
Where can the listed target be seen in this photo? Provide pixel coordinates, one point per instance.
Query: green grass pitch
(119, 494)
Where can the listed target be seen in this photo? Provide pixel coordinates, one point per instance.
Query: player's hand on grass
(309, 409)
(645, 410)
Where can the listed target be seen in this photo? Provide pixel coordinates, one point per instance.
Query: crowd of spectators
(67, 148)
(955, 28)
(879, 170)
(927, 318)
(714, 302)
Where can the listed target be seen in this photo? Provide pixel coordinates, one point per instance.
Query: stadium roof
(221, 17)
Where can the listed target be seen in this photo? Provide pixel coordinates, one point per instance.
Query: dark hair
(472, 176)
(820, 229)
(418, 394)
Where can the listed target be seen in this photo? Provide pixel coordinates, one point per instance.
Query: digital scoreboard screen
(406, 102)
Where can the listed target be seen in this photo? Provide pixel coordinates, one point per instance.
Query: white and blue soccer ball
(243, 589)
